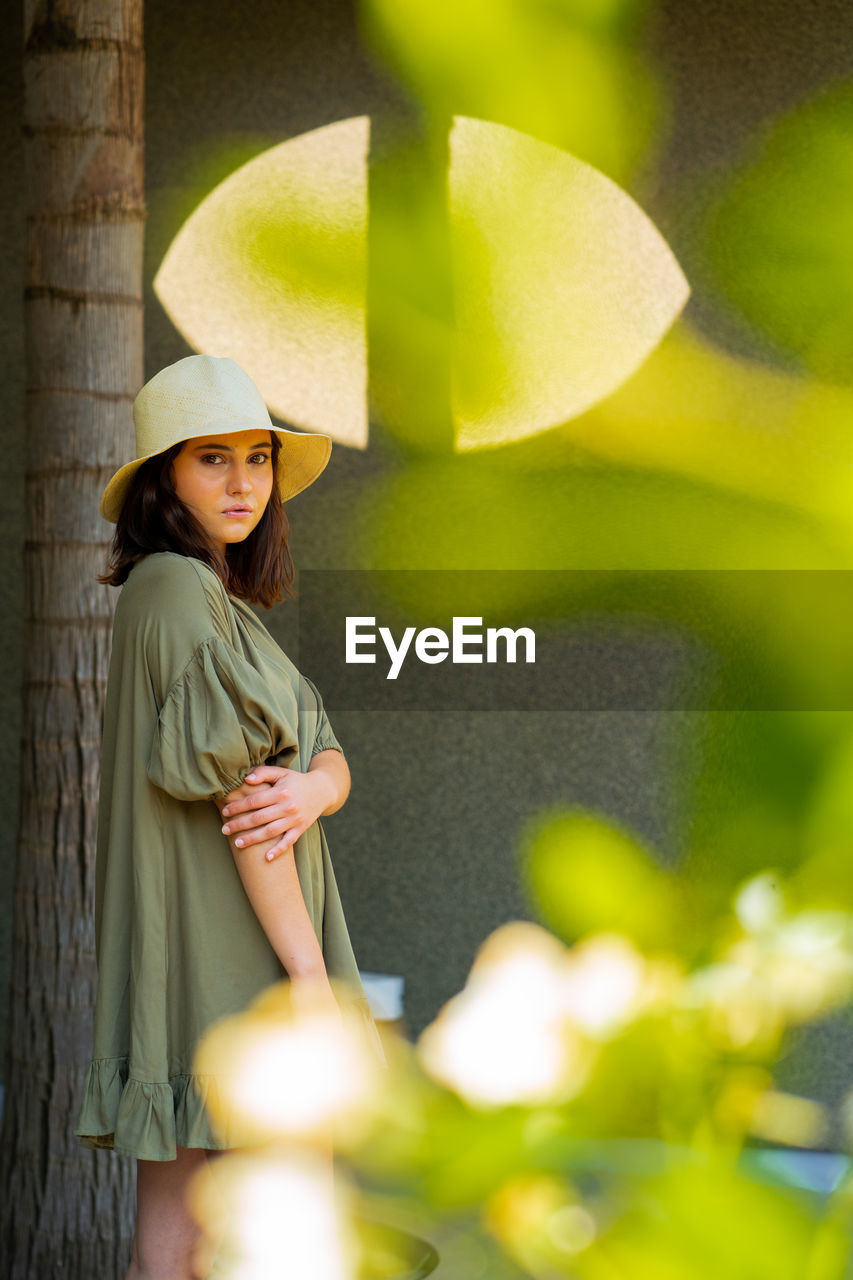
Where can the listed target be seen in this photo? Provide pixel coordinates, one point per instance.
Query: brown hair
(153, 518)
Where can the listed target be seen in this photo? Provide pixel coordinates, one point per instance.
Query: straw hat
(203, 396)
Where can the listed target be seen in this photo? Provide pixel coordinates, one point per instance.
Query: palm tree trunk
(65, 1211)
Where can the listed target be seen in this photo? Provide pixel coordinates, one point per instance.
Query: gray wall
(425, 849)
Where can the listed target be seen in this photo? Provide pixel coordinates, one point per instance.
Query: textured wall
(425, 848)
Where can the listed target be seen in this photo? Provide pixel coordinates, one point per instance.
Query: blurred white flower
(282, 1073)
(505, 1037)
(607, 983)
(785, 968)
(527, 1025)
(805, 960)
(760, 903)
(273, 1216)
(736, 1000)
(295, 1078)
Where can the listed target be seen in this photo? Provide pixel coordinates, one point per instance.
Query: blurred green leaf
(725, 421)
(778, 238)
(825, 875)
(697, 1222)
(566, 71)
(756, 780)
(409, 312)
(454, 1156)
(585, 874)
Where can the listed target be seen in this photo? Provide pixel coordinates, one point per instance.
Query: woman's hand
(314, 995)
(284, 802)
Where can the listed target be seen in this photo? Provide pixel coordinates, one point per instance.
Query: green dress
(199, 693)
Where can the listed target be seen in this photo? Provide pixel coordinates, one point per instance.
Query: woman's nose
(239, 481)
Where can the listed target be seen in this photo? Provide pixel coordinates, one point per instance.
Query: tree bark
(65, 1211)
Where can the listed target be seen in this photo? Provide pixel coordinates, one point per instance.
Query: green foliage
(566, 71)
(584, 875)
(704, 1221)
(779, 234)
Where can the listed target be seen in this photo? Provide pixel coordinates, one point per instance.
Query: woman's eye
(211, 457)
(260, 458)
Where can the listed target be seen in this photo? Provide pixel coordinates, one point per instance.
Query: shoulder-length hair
(153, 518)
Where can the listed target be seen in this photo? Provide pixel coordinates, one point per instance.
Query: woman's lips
(236, 512)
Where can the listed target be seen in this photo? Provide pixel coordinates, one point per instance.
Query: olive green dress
(199, 693)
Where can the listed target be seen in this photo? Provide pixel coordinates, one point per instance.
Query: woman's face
(226, 482)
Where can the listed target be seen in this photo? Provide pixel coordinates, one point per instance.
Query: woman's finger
(247, 804)
(259, 834)
(266, 773)
(256, 818)
(284, 843)
(248, 821)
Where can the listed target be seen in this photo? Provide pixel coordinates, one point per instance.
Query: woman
(204, 716)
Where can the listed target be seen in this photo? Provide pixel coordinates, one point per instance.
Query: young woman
(205, 718)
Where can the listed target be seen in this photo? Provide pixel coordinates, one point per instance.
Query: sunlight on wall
(561, 285)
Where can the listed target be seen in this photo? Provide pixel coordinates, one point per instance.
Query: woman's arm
(333, 764)
(279, 812)
(276, 899)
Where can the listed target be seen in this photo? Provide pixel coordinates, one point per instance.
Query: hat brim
(302, 458)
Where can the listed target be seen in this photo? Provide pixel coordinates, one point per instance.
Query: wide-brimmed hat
(210, 395)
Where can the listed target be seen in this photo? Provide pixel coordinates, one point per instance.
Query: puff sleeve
(218, 721)
(324, 735)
